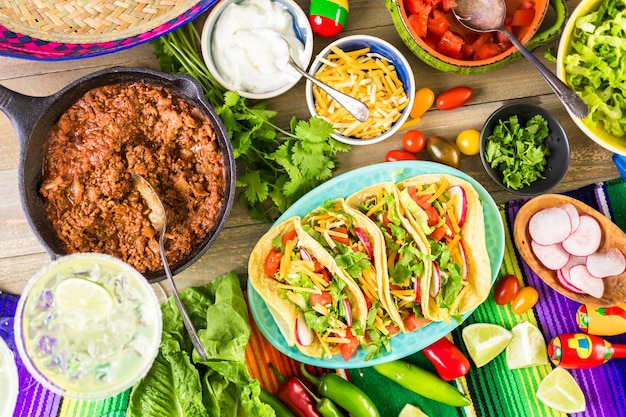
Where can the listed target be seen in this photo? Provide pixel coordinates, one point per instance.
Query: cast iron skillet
(32, 118)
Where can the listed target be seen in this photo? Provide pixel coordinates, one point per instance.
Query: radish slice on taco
(407, 255)
(315, 306)
(447, 212)
(355, 243)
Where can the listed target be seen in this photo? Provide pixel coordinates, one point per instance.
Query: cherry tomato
(525, 299)
(424, 99)
(447, 358)
(414, 141)
(468, 142)
(506, 289)
(443, 151)
(454, 97)
(400, 155)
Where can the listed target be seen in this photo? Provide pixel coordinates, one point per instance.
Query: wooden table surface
(21, 254)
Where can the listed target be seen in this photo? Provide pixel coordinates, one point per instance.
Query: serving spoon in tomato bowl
(488, 16)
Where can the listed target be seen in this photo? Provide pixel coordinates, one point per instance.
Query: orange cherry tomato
(454, 97)
(400, 155)
(424, 99)
(525, 299)
(414, 141)
(506, 289)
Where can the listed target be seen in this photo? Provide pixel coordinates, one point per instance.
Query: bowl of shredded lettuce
(591, 60)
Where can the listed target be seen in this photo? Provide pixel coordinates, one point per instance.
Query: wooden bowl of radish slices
(573, 248)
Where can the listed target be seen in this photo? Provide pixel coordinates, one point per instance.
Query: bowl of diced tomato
(432, 33)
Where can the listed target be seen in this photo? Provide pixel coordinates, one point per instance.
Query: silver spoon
(355, 107)
(159, 221)
(489, 15)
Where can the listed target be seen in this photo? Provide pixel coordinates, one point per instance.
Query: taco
(406, 254)
(355, 244)
(446, 211)
(316, 307)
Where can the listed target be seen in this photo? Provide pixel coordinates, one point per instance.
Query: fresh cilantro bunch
(275, 166)
(517, 151)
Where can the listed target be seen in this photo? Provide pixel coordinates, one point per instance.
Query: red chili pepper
(448, 359)
(296, 396)
(612, 311)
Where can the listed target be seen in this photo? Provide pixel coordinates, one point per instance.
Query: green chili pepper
(327, 408)
(345, 394)
(273, 401)
(422, 382)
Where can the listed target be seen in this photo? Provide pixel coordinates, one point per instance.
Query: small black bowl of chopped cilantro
(524, 149)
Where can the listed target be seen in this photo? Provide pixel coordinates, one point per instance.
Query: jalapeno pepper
(449, 361)
(346, 395)
(296, 396)
(422, 382)
(277, 405)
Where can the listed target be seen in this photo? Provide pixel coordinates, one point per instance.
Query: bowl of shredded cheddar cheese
(372, 70)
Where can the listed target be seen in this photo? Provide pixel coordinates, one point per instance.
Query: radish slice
(435, 282)
(304, 335)
(607, 263)
(566, 284)
(348, 308)
(460, 203)
(366, 243)
(572, 212)
(464, 267)
(573, 261)
(549, 226)
(586, 238)
(581, 278)
(304, 255)
(551, 256)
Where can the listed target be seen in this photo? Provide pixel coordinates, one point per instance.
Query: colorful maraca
(328, 17)
(579, 350)
(602, 321)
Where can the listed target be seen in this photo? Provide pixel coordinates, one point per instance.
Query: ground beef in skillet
(117, 130)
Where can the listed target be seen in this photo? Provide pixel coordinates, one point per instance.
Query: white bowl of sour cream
(241, 49)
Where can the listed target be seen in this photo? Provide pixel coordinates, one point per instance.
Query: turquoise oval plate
(344, 185)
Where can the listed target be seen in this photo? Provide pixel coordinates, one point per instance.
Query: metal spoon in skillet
(488, 16)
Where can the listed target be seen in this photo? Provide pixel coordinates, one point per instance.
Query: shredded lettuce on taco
(317, 308)
(447, 212)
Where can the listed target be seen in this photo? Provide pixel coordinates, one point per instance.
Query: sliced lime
(80, 296)
(527, 347)
(485, 341)
(560, 391)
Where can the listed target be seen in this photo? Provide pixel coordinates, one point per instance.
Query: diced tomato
(419, 22)
(438, 24)
(448, 5)
(414, 6)
(272, 262)
(341, 239)
(450, 44)
(438, 233)
(291, 235)
(433, 215)
(421, 200)
(526, 5)
(326, 274)
(487, 51)
(348, 349)
(523, 17)
(412, 322)
(392, 328)
(324, 299)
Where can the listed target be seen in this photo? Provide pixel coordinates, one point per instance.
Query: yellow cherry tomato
(468, 142)
(525, 299)
(424, 99)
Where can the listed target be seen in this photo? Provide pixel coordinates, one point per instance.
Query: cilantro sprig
(275, 166)
(517, 151)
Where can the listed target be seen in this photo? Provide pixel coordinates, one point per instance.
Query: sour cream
(247, 49)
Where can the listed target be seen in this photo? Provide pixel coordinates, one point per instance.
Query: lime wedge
(485, 341)
(560, 391)
(410, 410)
(527, 347)
(80, 296)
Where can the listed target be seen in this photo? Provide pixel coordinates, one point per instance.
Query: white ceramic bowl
(301, 27)
(377, 46)
(600, 136)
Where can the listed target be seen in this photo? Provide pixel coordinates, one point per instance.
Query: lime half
(560, 391)
(410, 410)
(485, 341)
(84, 297)
(527, 347)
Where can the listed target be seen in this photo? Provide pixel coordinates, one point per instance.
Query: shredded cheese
(368, 77)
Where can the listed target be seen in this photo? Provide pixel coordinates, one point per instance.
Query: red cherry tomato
(454, 97)
(448, 359)
(400, 155)
(414, 141)
(506, 289)
(525, 299)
